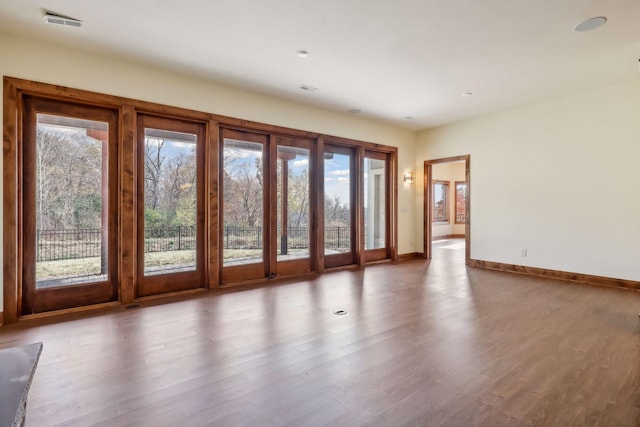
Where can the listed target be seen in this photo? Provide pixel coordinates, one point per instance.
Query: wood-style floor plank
(423, 344)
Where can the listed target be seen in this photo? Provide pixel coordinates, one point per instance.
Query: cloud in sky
(241, 154)
(339, 172)
(183, 145)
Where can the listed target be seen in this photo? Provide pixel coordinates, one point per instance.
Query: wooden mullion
(110, 189)
(467, 209)
(318, 223)
(11, 146)
(357, 178)
(214, 224)
(139, 202)
(220, 216)
(26, 201)
(127, 212)
(392, 205)
(270, 216)
(201, 208)
(428, 209)
(314, 161)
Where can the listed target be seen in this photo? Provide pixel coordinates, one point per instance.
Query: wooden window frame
(14, 91)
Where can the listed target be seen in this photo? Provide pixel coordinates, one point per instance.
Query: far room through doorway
(446, 208)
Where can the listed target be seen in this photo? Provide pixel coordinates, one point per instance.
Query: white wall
(450, 172)
(48, 63)
(558, 178)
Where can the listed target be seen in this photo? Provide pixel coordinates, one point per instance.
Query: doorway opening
(447, 195)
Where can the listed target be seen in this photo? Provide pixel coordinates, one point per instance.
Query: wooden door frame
(378, 254)
(294, 266)
(255, 271)
(34, 300)
(355, 255)
(428, 203)
(154, 284)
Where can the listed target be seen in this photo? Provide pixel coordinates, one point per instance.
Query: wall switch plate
(523, 252)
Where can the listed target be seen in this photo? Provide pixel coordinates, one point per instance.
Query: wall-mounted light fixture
(408, 177)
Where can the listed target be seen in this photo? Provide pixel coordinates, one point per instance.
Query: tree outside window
(441, 201)
(461, 206)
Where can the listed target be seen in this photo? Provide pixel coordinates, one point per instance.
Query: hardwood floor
(422, 344)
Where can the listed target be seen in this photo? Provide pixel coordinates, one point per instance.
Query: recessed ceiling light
(55, 18)
(354, 111)
(303, 53)
(590, 24)
(466, 94)
(309, 88)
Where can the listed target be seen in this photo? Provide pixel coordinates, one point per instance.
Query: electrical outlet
(523, 252)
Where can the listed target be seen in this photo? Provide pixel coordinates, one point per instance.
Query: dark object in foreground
(17, 367)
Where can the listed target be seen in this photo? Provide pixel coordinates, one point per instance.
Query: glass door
(170, 205)
(376, 205)
(69, 199)
(339, 206)
(292, 207)
(243, 184)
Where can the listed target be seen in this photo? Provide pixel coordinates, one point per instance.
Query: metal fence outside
(242, 237)
(53, 245)
(163, 239)
(296, 238)
(337, 238)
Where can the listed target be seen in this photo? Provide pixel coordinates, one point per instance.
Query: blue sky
(337, 177)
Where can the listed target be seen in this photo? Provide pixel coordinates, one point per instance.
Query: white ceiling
(388, 58)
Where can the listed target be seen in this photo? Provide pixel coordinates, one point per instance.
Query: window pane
(337, 203)
(461, 196)
(170, 201)
(440, 201)
(71, 201)
(374, 204)
(243, 202)
(293, 203)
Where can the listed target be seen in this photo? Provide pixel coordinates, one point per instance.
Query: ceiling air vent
(56, 18)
